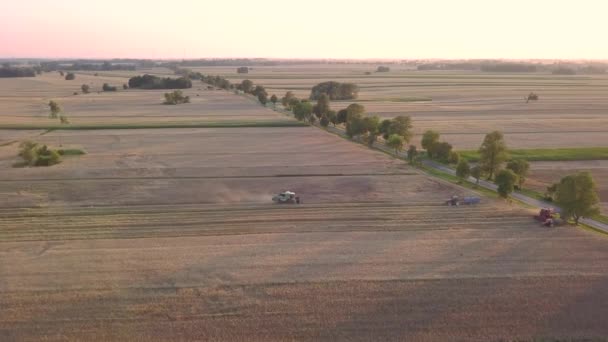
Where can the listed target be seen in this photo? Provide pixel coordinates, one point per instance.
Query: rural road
(528, 200)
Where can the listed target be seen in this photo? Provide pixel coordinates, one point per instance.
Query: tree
(259, 90)
(107, 87)
(412, 153)
(384, 128)
(354, 109)
(70, 76)
(85, 88)
(395, 142)
(520, 167)
(577, 196)
(332, 117)
(263, 98)
(429, 139)
(64, 120)
(246, 86)
(370, 127)
(61, 73)
(285, 101)
(176, 97)
(324, 121)
(302, 110)
(442, 151)
(463, 170)
(454, 158)
(355, 125)
(242, 70)
(342, 116)
(492, 153)
(402, 126)
(125, 86)
(505, 179)
(274, 99)
(322, 105)
(54, 108)
(476, 173)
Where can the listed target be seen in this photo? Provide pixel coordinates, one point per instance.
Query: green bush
(34, 154)
(176, 97)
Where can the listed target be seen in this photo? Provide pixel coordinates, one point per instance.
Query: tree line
(154, 82)
(8, 71)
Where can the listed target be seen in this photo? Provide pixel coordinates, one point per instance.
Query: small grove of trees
(85, 88)
(107, 87)
(577, 196)
(34, 154)
(335, 91)
(492, 153)
(154, 82)
(383, 69)
(70, 76)
(242, 70)
(217, 81)
(54, 109)
(176, 97)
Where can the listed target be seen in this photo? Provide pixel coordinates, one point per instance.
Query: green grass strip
(71, 152)
(281, 123)
(549, 154)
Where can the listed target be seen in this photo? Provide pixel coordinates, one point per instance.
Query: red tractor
(548, 217)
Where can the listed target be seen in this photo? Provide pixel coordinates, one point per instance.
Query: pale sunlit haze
(305, 29)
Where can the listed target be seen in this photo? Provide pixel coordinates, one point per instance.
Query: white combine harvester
(286, 197)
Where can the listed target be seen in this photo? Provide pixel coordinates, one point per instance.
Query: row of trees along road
(575, 194)
(396, 132)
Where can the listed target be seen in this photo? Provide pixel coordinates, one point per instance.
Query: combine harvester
(286, 197)
(548, 217)
(455, 200)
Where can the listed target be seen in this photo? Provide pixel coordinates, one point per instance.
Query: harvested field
(170, 234)
(25, 102)
(544, 174)
(464, 104)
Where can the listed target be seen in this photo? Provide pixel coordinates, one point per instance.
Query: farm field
(544, 174)
(572, 110)
(170, 234)
(25, 102)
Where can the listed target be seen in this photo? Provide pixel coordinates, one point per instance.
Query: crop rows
(169, 221)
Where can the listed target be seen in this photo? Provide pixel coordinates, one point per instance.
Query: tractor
(286, 197)
(455, 200)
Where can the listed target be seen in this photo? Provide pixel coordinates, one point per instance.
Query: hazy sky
(305, 28)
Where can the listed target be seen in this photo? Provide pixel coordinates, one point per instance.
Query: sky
(391, 29)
